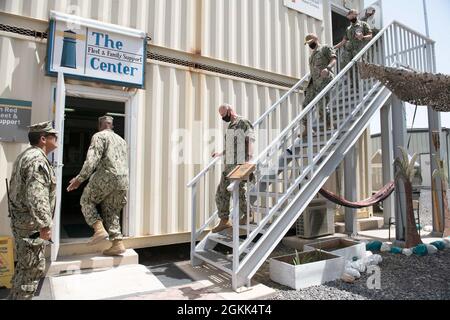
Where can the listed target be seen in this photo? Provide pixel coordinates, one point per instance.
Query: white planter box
(341, 247)
(283, 271)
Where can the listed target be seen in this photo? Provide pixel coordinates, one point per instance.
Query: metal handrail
(398, 45)
(311, 105)
(318, 97)
(303, 114)
(255, 124)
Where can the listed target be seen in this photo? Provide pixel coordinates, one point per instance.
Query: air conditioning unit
(317, 220)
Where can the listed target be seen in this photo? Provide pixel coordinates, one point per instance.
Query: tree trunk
(446, 211)
(412, 235)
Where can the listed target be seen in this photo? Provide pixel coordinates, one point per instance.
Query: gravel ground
(426, 208)
(402, 278)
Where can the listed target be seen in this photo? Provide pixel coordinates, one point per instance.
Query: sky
(410, 12)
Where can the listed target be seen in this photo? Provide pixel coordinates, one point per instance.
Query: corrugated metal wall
(420, 143)
(259, 34)
(262, 34)
(21, 67)
(177, 101)
(181, 114)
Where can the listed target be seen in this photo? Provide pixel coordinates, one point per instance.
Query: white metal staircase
(292, 169)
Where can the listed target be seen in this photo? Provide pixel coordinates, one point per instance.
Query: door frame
(338, 9)
(130, 99)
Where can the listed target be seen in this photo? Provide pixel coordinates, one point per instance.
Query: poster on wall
(313, 8)
(15, 117)
(91, 50)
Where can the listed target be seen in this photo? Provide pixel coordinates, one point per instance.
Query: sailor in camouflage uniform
(321, 63)
(106, 167)
(238, 140)
(32, 201)
(356, 37)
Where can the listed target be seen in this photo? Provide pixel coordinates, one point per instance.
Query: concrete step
(374, 223)
(295, 242)
(91, 261)
(100, 284)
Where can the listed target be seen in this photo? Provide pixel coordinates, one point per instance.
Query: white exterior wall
(261, 34)
(258, 35)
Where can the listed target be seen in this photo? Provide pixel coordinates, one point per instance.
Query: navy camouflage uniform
(320, 58)
(353, 45)
(32, 204)
(106, 167)
(237, 137)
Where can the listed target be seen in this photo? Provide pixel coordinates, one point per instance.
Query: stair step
(304, 156)
(264, 209)
(253, 227)
(227, 240)
(269, 194)
(265, 180)
(216, 259)
(315, 145)
(91, 261)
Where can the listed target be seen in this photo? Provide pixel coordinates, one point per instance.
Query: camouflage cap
(310, 38)
(45, 127)
(106, 118)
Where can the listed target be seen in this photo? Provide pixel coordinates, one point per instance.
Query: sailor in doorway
(106, 167)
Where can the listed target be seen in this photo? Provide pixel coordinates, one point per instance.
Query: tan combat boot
(100, 233)
(223, 225)
(116, 249)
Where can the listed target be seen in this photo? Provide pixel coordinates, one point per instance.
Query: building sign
(15, 117)
(90, 50)
(313, 8)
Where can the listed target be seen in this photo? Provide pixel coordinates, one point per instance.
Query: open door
(60, 102)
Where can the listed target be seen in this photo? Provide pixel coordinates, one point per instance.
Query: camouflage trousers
(313, 89)
(223, 196)
(30, 265)
(348, 55)
(104, 192)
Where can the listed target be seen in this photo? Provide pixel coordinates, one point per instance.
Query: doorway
(80, 124)
(339, 26)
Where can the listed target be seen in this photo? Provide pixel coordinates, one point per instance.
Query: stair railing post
(234, 188)
(310, 140)
(193, 223)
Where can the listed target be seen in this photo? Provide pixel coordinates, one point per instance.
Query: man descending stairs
(321, 63)
(296, 163)
(238, 141)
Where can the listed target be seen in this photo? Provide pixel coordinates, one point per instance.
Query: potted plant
(346, 248)
(306, 269)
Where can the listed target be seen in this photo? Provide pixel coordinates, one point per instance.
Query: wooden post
(436, 186)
